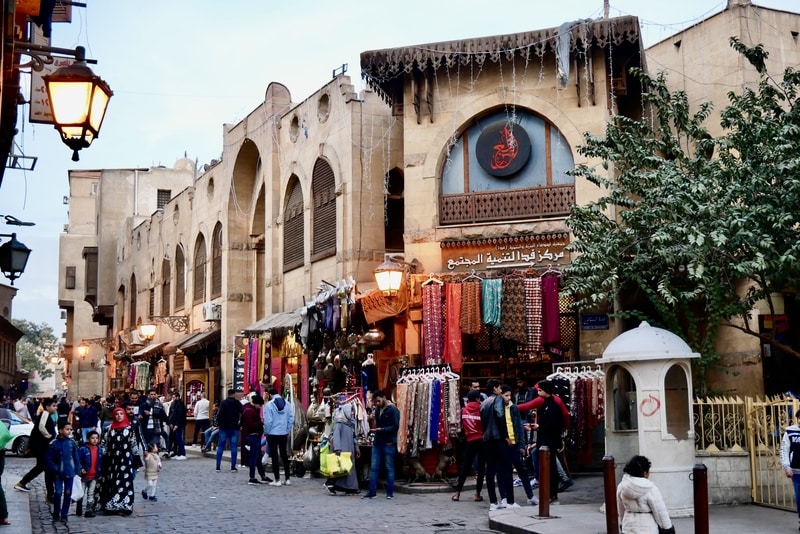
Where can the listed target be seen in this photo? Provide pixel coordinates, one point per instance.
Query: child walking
(152, 465)
(63, 462)
(91, 457)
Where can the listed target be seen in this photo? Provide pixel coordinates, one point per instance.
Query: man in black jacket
(384, 443)
(230, 411)
(44, 430)
(177, 424)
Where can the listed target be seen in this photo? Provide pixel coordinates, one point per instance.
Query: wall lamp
(13, 257)
(77, 97)
(83, 348)
(389, 274)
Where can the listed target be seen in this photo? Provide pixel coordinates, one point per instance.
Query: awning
(274, 321)
(173, 346)
(152, 347)
(200, 341)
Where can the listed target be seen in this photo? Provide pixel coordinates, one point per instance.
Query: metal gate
(765, 421)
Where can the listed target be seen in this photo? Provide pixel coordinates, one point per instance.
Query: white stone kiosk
(648, 400)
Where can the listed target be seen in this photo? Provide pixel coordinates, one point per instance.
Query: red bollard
(700, 483)
(610, 493)
(544, 481)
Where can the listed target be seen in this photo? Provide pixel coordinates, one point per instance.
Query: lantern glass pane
(394, 280)
(98, 111)
(70, 101)
(382, 278)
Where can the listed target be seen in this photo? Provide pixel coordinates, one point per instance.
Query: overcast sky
(180, 69)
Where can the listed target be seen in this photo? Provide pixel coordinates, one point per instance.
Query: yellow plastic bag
(333, 466)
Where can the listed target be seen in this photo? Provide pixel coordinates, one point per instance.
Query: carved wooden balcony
(529, 203)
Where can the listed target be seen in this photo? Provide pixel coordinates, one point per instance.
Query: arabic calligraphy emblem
(503, 148)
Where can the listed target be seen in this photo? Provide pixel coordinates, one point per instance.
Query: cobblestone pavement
(193, 497)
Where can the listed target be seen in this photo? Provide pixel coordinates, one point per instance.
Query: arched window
(133, 301)
(216, 261)
(323, 191)
(676, 402)
(623, 388)
(166, 279)
(293, 227)
(504, 168)
(395, 211)
(200, 269)
(180, 278)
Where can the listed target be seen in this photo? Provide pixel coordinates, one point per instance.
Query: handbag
(335, 465)
(77, 489)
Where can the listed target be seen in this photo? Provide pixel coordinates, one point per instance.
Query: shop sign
(594, 321)
(506, 252)
(239, 351)
(503, 148)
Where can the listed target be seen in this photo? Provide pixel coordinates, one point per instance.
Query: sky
(181, 69)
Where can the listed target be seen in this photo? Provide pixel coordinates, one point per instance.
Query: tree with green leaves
(35, 347)
(690, 230)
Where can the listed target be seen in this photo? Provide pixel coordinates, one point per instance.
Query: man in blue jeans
(384, 443)
(230, 411)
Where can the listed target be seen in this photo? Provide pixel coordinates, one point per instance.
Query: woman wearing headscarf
(639, 502)
(343, 439)
(116, 482)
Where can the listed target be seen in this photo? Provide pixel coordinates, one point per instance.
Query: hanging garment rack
(432, 280)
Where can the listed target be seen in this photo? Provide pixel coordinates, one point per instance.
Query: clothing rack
(571, 370)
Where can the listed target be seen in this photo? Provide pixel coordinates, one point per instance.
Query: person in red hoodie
(473, 431)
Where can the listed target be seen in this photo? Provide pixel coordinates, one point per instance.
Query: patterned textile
(452, 347)
(551, 327)
(471, 319)
(401, 393)
(492, 294)
(432, 324)
(436, 407)
(533, 319)
(115, 488)
(442, 438)
(513, 304)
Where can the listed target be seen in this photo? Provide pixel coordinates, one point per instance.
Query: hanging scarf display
(492, 295)
(551, 327)
(453, 339)
(432, 330)
(513, 304)
(471, 317)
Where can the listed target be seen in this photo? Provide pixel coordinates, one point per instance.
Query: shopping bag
(333, 466)
(77, 489)
(5, 435)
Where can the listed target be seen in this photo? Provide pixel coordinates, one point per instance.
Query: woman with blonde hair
(639, 502)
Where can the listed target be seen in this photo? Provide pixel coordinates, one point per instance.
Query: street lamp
(389, 276)
(78, 99)
(13, 257)
(147, 331)
(83, 350)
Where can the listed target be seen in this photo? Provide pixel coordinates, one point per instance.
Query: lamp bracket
(42, 55)
(178, 323)
(104, 342)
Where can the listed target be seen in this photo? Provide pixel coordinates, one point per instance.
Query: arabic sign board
(594, 321)
(503, 148)
(239, 351)
(40, 111)
(511, 252)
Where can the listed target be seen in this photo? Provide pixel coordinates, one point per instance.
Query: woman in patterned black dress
(116, 482)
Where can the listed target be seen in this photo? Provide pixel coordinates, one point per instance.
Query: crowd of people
(97, 445)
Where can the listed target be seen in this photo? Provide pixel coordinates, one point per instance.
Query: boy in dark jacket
(473, 437)
(252, 427)
(63, 461)
(91, 457)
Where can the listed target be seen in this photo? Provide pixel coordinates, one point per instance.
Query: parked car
(21, 430)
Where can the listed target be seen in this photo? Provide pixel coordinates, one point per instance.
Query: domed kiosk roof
(646, 343)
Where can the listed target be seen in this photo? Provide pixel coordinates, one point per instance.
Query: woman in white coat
(640, 505)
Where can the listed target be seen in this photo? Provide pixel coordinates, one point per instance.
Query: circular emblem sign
(503, 148)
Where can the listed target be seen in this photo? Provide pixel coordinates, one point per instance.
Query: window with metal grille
(323, 191)
(166, 280)
(180, 278)
(216, 261)
(162, 197)
(69, 278)
(133, 301)
(151, 308)
(200, 269)
(293, 227)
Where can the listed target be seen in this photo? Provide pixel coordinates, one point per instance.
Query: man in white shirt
(201, 419)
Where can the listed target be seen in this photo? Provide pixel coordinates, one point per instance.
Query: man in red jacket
(473, 432)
